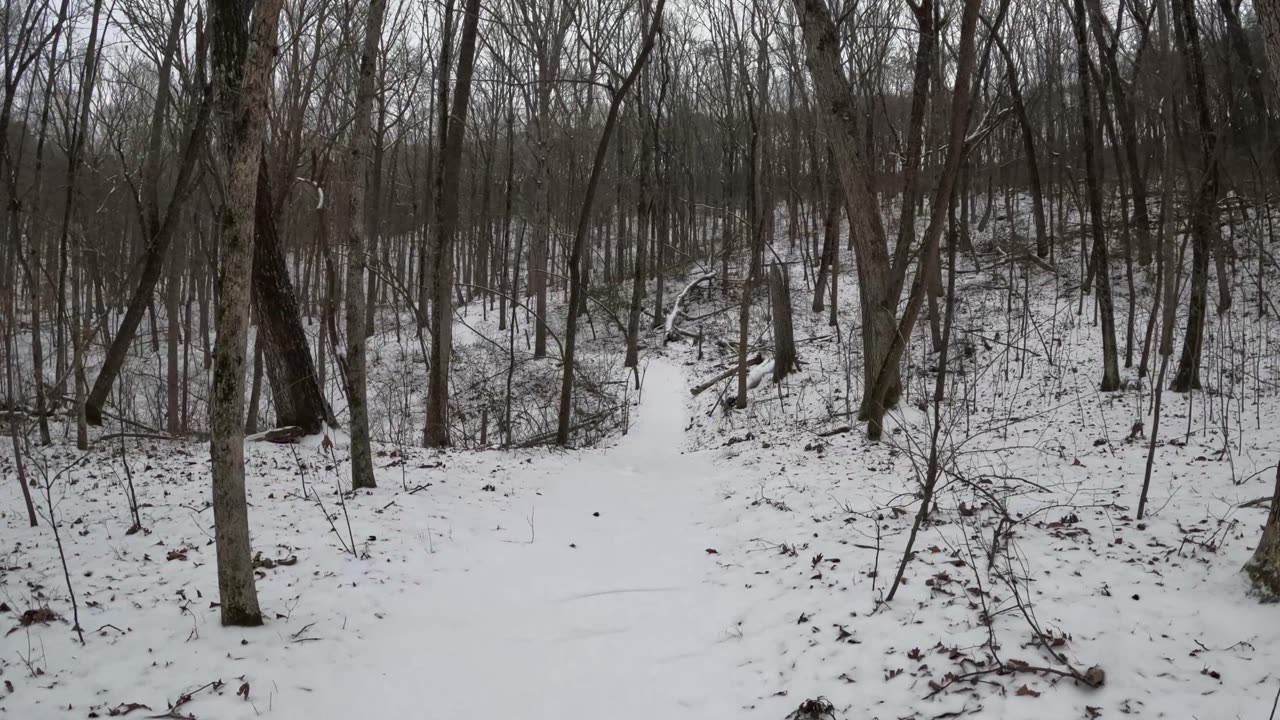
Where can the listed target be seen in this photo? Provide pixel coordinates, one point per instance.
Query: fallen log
(699, 389)
(677, 309)
(287, 435)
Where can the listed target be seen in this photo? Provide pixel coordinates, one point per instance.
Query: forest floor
(704, 565)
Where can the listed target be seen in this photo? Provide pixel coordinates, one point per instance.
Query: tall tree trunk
(161, 232)
(173, 315)
(830, 240)
(1204, 220)
(88, 79)
(242, 71)
(1264, 568)
(1128, 128)
(436, 433)
(297, 391)
(1101, 265)
(1028, 145)
(1253, 72)
(834, 101)
(359, 219)
(887, 384)
(925, 48)
(757, 113)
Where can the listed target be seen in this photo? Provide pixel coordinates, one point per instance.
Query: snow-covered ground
(510, 585)
(705, 565)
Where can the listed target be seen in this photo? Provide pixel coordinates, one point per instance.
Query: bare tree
(360, 219)
(243, 43)
(576, 289)
(436, 433)
(1204, 217)
(160, 226)
(834, 99)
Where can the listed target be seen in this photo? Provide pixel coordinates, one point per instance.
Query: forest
(802, 359)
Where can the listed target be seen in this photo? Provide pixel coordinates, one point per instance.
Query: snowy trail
(583, 616)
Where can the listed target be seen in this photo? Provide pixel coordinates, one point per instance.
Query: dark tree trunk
(1204, 220)
(785, 359)
(298, 397)
(436, 433)
(1101, 265)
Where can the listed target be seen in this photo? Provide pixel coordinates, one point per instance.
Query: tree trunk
(925, 47)
(359, 220)
(88, 79)
(1128, 129)
(886, 387)
(1204, 220)
(436, 433)
(1101, 266)
(160, 229)
(830, 242)
(785, 359)
(1028, 146)
(1263, 568)
(242, 71)
(172, 311)
(834, 100)
(297, 391)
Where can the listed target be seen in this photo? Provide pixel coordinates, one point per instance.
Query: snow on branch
(677, 310)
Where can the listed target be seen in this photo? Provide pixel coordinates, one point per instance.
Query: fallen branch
(699, 389)
(677, 309)
(185, 698)
(1263, 502)
(136, 435)
(286, 435)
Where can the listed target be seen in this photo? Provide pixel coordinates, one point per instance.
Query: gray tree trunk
(834, 102)
(242, 74)
(359, 220)
(436, 433)
(785, 359)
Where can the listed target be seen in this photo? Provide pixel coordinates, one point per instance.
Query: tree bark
(242, 70)
(1035, 186)
(1263, 568)
(887, 383)
(1101, 264)
(830, 242)
(359, 220)
(1128, 128)
(785, 358)
(436, 433)
(834, 102)
(160, 230)
(1204, 220)
(925, 48)
(297, 391)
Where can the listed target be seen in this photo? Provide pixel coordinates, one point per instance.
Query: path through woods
(597, 604)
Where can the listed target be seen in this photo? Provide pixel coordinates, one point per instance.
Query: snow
(708, 563)
(578, 584)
